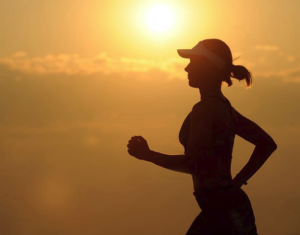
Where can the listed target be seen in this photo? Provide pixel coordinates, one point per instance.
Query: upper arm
(250, 131)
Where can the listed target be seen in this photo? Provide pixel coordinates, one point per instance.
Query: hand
(231, 183)
(237, 184)
(138, 147)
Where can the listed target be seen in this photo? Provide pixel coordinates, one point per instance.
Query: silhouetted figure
(207, 135)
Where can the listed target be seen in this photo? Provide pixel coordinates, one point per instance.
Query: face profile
(200, 71)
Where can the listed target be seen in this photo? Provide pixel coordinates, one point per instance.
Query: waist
(202, 182)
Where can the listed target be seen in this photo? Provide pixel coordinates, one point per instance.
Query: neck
(209, 91)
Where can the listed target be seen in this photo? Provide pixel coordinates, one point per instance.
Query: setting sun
(160, 18)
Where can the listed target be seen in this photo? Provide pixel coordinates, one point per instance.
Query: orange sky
(79, 78)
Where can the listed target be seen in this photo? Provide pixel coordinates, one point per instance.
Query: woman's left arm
(172, 162)
(138, 148)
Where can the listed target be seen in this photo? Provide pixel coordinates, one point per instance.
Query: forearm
(171, 162)
(257, 159)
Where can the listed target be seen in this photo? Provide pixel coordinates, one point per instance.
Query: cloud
(267, 48)
(270, 48)
(290, 58)
(278, 64)
(74, 64)
(287, 75)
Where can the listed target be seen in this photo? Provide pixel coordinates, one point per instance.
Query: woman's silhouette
(207, 135)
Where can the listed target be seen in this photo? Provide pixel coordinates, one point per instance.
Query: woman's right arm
(264, 147)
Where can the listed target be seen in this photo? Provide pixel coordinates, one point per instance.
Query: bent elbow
(275, 146)
(271, 145)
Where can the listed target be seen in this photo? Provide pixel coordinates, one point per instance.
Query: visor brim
(200, 50)
(184, 53)
(188, 53)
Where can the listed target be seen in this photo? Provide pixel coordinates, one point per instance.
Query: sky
(78, 79)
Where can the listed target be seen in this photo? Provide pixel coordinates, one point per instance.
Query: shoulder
(208, 107)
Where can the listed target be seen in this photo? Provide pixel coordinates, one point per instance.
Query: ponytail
(240, 72)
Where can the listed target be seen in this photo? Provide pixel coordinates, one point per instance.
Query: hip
(224, 211)
(222, 199)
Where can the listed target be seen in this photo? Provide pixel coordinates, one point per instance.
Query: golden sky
(79, 78)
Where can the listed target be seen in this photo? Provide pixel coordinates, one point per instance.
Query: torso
(216, 170)
(205, 182)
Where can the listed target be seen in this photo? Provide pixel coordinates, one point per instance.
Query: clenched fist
(138, 147)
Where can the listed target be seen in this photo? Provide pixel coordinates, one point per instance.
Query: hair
(238, 72)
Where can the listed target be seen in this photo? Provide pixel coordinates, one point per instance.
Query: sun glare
(160, 18)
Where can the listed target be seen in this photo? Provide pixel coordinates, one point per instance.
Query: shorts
(226, 211)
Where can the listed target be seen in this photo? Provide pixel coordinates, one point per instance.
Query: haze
(78, 79)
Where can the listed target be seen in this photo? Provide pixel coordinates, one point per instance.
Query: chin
(192, 84)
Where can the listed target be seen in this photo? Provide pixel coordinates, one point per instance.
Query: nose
(187, 68)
